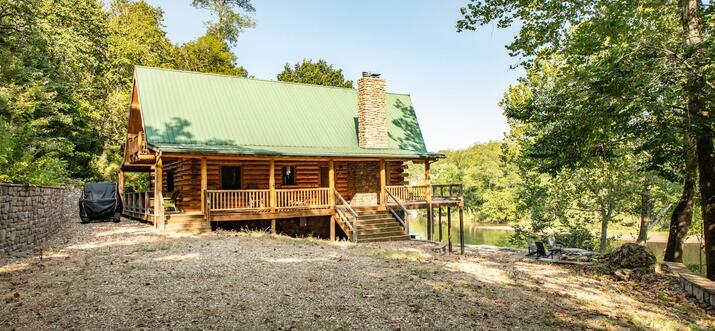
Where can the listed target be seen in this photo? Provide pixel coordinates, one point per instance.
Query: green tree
(209, 54)
(230, 22)
(318, 73)
(52, 85)
(624, 69)
(489, 182)
(136, 37)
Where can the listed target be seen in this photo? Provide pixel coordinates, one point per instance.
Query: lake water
(475, 233)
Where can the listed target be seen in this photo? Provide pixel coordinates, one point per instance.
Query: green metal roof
(208, 113)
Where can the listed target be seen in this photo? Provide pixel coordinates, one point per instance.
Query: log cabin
(232, 149)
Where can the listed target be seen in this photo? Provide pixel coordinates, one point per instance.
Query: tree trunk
(704, 140)
(646, 210)
(706, 164)
(605, 218)
(683, 213)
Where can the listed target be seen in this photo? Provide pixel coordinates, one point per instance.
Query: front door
(230, 178)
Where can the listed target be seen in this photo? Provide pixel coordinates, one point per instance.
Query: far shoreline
(658, 238)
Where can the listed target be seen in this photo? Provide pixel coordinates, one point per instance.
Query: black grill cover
(100, 201)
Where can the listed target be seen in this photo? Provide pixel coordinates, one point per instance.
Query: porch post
(331, 195)
(204, 184)
(449, 229)
(430, 211)
(383, 182)
(332, 228)
(120, 185)
(461, 230)
(440, 223)
(272, 184)
(158, 197)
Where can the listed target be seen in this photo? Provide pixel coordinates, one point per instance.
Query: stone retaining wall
(30, 214)
(694, 285)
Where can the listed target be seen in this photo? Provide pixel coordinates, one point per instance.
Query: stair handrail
(344, 204)
(389, 196)
(344, 217)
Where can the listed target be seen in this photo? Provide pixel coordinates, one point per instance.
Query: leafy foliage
(489, 184)
(20, 161)
(318, 73)
(603, 102)
(66, 71)
(230, 21)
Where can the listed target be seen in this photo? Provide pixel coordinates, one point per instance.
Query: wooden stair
(187, 223)
(379, 225)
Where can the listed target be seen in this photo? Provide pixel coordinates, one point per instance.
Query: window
(170, 181)
(230, 178)
(288, 175)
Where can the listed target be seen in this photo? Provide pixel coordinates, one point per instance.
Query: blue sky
(455, 79)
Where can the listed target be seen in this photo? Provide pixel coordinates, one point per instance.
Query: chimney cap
(370, 74)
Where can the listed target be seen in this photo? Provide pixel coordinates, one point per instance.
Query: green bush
(577, 237)
(21, 162)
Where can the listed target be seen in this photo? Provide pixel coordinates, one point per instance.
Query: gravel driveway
(129, 276)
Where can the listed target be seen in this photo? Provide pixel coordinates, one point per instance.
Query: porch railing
(394, 205)
(309, 198)
(447, 191)
(260, 200)
(224, 200)
(136, 145)
(137, 202)
(409, 193)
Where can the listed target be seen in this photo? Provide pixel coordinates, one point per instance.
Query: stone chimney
(372, 111)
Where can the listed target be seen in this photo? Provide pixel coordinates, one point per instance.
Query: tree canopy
(66, 71)
(318, 73)
(609, 81)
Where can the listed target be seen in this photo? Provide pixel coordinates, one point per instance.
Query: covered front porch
(221, 189)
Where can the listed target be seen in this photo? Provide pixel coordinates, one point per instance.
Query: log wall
(254, 175)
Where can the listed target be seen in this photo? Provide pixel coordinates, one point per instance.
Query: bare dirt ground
(129, 276)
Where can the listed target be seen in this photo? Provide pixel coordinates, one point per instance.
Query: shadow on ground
(129, 276)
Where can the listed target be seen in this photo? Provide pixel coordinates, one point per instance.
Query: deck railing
(137, 202)
(225, 200)
(409, 193)
(308, 198)
(447, 191)
(136, 145)
(260, 200)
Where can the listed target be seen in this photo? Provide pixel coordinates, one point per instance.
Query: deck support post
(204, 185)
(383, 182)
(332, 228)
(331, 184)
(440, 223)
(430, 211)
(272, 184)
(430, 222)
(449, 229)
(120, 185)
(461, 230)
(273, 226)
(158, 197)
